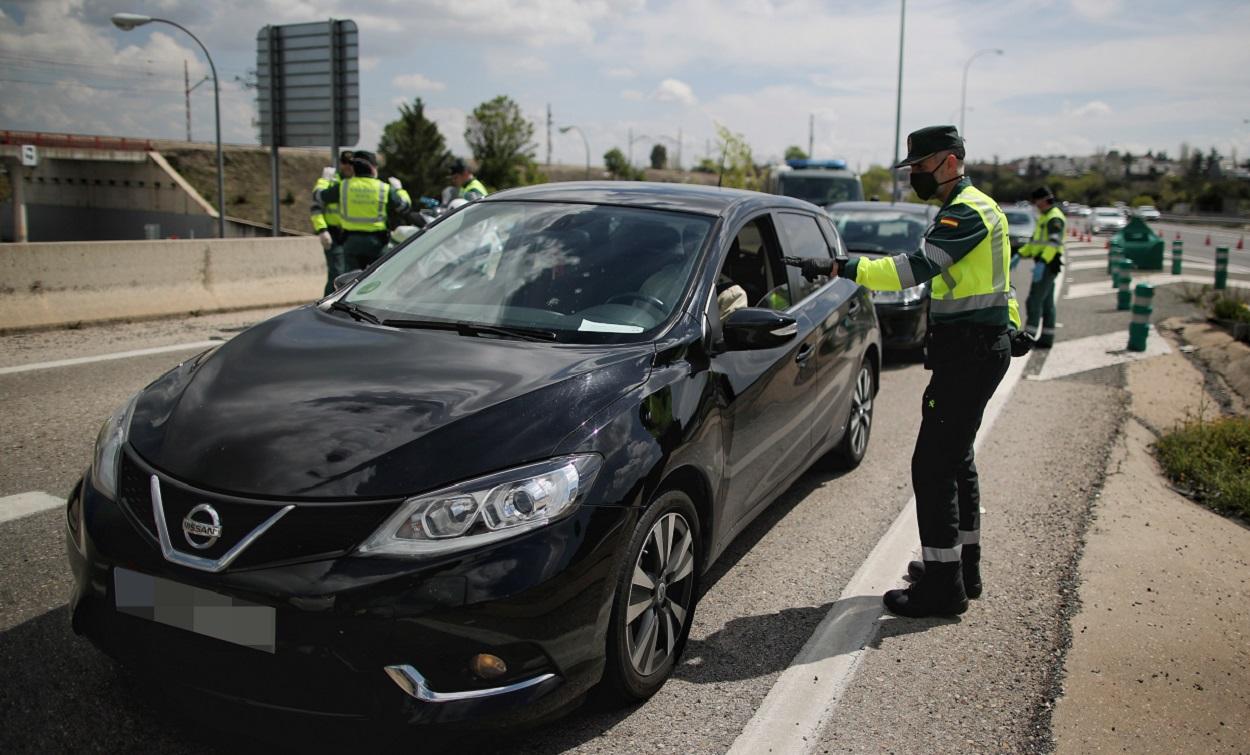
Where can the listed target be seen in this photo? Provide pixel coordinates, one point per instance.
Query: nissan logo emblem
(199, 533)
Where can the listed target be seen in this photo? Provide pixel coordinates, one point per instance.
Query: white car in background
(1148, 213)
(1106, 220)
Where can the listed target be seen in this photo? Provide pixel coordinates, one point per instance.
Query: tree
(502, 142)
(795, 152)
(616, 163)
(876, 182)
(737, 166)
(659, 157)
(414, 151)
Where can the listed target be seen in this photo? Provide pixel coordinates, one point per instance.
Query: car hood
(313, 405)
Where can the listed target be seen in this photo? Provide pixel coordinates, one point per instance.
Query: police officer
(1046, 249)
(365, 203)
(326, 223)
(463, 179)
(966, 253)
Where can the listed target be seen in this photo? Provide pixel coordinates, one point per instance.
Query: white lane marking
(108, 357)
(1100, 287)
(794, 712)
(1094, 352)
(24, 504)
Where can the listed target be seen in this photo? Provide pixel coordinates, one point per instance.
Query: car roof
(706, 200)
(913, 208)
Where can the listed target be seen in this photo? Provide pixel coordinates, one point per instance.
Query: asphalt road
(985, 682)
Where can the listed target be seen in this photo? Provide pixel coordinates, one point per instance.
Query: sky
(1074, 76)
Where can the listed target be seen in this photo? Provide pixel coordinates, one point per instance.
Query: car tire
(854, 444)
(654, 600)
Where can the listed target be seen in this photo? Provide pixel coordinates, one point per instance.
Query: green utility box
(1140, 245)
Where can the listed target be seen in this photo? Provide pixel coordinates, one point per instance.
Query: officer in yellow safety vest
(1046, 248)
(463, 179)
(326, 223)
(972, 315)
(365, 203)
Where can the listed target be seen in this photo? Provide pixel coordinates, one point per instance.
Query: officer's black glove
(1055, 265)
(812, 267)
(1021, 344)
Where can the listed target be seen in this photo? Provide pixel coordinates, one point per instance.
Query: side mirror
(756, 328)
(346, 279)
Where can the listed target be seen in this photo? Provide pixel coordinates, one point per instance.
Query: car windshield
(819, 190)
(1016, 217)
(880, 231)
(577, 272)
(1107, 212)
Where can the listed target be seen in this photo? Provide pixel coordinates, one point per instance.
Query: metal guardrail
(1220, 220)
(74, 141)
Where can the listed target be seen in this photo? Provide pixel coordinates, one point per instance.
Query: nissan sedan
(487, 475)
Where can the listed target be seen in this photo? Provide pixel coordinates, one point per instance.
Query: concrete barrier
(54, 284)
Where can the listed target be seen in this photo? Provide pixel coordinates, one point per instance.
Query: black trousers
(968, 363)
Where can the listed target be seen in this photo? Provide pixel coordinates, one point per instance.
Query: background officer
(966, 253)
(1046, 248)
(464, 180)
(365, 204)
(326, 223)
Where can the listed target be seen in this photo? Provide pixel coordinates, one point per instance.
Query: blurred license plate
(195, 610)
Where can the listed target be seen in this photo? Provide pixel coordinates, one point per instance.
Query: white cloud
(619, 73)
(632, 95)
(415, 82)
(1092, 109)
(673, 90)
(1098, 10)
(369, 62)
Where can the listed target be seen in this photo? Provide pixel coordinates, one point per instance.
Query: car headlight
(487, 509)
(906, 296)
(108, 447)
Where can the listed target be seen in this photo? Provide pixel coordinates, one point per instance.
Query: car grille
(310, 530)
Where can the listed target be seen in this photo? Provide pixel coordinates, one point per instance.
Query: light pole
(128, 21)
(963, 88)
(898, 103)
(633, 139)
(585, 143)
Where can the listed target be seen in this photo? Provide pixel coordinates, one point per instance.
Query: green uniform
(326, 218)
(1046, 248)
(364, 206)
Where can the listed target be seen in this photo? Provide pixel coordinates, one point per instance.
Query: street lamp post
(898, 103)
(963, 88)
(585, 143)
(128, 21)
(632, 139)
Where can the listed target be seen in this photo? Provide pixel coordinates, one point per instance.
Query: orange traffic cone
(1208, 239)
(1178, 235)
(1241, 243)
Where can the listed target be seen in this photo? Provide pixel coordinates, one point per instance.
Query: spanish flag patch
(953, 223)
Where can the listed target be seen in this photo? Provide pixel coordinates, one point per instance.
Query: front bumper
(372, 638)
(903, 325)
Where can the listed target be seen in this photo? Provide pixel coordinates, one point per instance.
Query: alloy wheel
(660, 594)
(861, 411)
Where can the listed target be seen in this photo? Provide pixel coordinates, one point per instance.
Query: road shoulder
(1160, 658)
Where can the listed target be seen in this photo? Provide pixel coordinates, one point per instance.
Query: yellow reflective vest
(1044, 244)
(327, 215)
(362, 203)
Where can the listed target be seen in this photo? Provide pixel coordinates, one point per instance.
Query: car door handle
(853, 308)
(805, 353)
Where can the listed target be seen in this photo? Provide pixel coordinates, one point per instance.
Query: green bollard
(1116, 254)
(1176, 257)
(1139, 327)
(1111, 266)
(1221, 268)
(1125, 279)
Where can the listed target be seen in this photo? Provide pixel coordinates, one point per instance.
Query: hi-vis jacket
(1047, 241)
(325, 216)
(364, 203)
(966, 253)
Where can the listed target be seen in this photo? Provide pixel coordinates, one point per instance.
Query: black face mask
(926, 184)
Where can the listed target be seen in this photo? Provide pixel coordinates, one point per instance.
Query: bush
(1211, 461)
(1231, 308)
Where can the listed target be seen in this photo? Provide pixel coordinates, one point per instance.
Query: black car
(877, 229)
(487, 475)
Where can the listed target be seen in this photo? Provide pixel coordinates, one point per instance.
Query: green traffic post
(1139, 326)
(1221, 268)
(1111, 266)
(1176, 257)
(1113, 262)
(1124, 300)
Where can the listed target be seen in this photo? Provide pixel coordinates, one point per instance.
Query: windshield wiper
(356, 312)
(477, 329)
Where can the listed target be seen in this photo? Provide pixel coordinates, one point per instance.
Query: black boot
(971, 567)
(939, 593)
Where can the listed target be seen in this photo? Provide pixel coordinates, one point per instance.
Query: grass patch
(1211, 460)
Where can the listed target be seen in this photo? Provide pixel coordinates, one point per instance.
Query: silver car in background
(1106, 220)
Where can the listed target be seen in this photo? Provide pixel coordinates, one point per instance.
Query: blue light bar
(815, 164)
